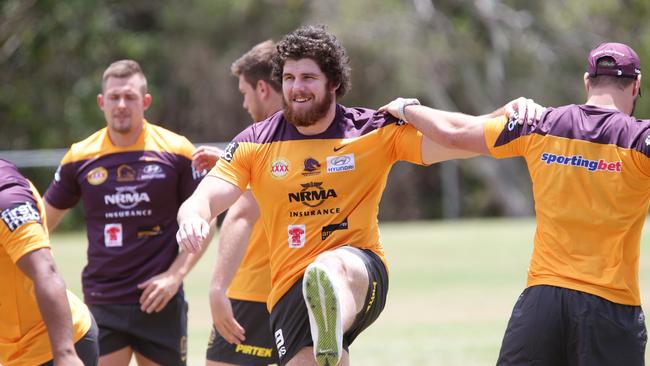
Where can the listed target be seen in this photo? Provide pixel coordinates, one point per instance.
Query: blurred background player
(242, 334)
(42, 323)
(589, 165)
(132, 177)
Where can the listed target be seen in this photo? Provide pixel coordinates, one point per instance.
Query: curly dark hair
(316, 43)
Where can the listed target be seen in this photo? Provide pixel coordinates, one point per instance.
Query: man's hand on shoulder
(524, 110)
(205, 157)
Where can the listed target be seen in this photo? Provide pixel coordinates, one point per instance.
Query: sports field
(453, 285)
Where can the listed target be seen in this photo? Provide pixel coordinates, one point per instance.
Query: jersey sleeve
(502, 137)
(22, 229)
(64, 191)
(189, 178)
(407, 144)
(236, 163)
(641, 155)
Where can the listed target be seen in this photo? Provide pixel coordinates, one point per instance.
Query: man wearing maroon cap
(589, 166)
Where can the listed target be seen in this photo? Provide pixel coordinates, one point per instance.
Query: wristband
(403, 104)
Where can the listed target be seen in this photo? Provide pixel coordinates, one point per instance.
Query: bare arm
(453, 135)
(212, 197)
(54, 216)
(233, 241)
(52, 299)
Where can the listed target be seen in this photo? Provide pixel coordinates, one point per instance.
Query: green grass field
(453, 285)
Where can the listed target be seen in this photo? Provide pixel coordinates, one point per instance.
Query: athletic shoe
(324, 310)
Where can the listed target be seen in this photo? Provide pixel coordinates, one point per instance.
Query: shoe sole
(324, 315)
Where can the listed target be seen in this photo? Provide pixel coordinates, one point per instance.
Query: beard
(312, 115)
(121, 124)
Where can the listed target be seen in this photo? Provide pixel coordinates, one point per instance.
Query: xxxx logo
(279, 168)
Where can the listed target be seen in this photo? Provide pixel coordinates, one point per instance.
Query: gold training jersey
(321, 192)
(252, 282)
(590, 168)
(23, 335)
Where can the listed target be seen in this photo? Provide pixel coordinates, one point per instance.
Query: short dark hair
(621, 82)
(314, 42)
(124, 69)
(256, 65)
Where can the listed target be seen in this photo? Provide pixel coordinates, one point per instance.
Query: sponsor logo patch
(312, 194)
(126, 197)
(97, 176)
(341, 163)
(312, 167)
(326, 231)
(372, 296)
(279, 168)
(183, 348)
(580, 162)
(16, 216)
(113, 235)
(229, 152)
(145, 231)
(297, 235)
(198, 174)
(247, 349)
(125, 173)
(279, 342)
(152, 171)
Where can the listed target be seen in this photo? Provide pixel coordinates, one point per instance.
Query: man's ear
(100, 100)
(637, 86)
(585, 78)
(146, 101)
(262, 89)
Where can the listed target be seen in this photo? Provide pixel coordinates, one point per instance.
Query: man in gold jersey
(317, 171)
(42, 323)
(238, 294)
(589, 164)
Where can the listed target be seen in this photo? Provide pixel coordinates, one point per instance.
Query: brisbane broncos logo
(312, 167)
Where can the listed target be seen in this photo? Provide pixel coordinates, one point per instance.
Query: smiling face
(306, 92)
(123, 103)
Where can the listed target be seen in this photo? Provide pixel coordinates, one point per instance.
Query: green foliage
(471, 56)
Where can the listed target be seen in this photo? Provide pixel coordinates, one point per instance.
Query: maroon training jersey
(131, 196)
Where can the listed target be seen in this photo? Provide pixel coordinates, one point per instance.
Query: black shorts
(556, 326)
(290, 320)
(258, 349)
(160, 337)
(87, 347)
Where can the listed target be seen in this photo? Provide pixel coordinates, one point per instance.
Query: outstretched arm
(52, 300)
(235, 233)
(454, 135)
(212, 197)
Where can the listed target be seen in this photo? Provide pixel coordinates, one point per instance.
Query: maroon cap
(624, 61)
